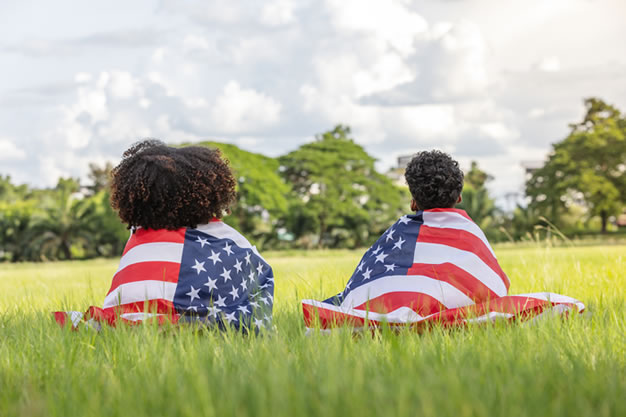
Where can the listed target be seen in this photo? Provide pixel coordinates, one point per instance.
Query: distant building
(396, 174)
(404, 160)
(531, 166)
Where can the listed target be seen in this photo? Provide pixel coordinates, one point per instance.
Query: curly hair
(435, 180)
(160, 187)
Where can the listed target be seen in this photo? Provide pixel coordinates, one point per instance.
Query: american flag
(210, 274)
(432, 266)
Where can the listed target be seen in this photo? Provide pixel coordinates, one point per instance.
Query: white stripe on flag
(400, 315)
(140, 291)
(554, 298)
(443, 292)
(452, 220)
(76, 317)
(491, 316)
(152, 252)
(139, 316)
(433, 253)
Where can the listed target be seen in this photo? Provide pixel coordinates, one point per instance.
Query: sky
(496, 81)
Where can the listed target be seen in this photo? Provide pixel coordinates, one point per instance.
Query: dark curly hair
(435, 180)
(160, 187)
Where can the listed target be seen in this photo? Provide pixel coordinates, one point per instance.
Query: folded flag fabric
(210, 274)
(435, 266)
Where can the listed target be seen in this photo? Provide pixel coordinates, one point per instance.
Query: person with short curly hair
(182, 263)
(428, 261)
(435, 180)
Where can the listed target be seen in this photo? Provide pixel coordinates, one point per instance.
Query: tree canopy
(339, 197)
(328, 193)
(476, 200)
(262, 195)
(588, 167)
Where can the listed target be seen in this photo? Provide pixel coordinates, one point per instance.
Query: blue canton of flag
(224, 280)
(391, 255)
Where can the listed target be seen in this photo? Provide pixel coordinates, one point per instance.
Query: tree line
(328, 194)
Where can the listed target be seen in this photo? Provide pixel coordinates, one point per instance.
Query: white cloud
(278, 12)
(192, 42)
(391, 21)
(550, 64)
(82, 77)
(499, 131)
(388, 71)
(123, 85)
(492, 82)
(144, 103)
(10, 151)
(425, 125)
(239, 110)
(159, 55)
(461, 63)
(536, 112)
(451, 66)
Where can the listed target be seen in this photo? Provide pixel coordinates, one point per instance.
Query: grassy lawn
(571, 367)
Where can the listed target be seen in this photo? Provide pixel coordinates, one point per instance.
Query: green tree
(18, 205)
(10, 192)
(524, 222)
(339, 197)
(588, 166)
(99, 177)
(109, 233)
(476, 200)
(476, 177)
(15, 225)
(65, 221)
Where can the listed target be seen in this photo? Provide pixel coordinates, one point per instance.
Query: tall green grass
(570, 367)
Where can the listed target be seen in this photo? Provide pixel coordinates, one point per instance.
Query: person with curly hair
(160, 187)
(182, 262)
(435, 181)
(431, 266)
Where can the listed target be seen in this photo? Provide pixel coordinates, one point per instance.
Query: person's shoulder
(221, 230)
(452, 218)
(145, 235)
(449, 212)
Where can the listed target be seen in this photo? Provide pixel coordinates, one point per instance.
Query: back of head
(160, 187)
(435, 180)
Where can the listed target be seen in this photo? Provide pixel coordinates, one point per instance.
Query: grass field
(571, 367)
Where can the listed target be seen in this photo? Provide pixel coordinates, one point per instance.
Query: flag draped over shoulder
(210, 274)
(435, 266)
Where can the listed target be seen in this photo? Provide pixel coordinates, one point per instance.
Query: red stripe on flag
(60, 317)
(328, 318)
(111, 315)
(143, 271)
(450, 210)
(515, 304)
(455, 276)
(422, 304)
(158, 306)
(463, 240)
(519, 307)
(141, 236)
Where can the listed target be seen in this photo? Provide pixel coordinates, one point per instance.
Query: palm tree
(65, 221)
